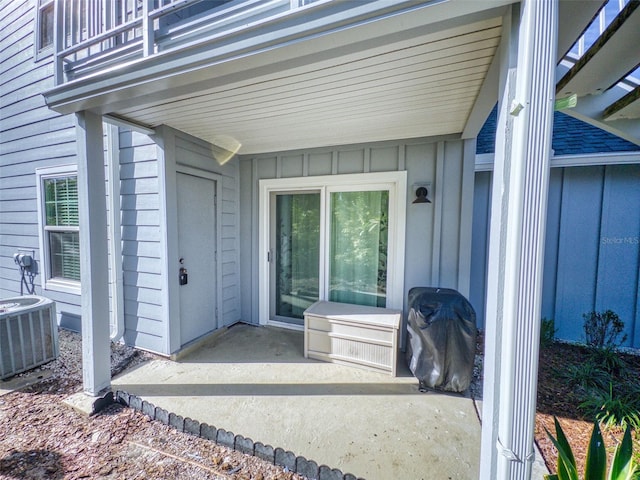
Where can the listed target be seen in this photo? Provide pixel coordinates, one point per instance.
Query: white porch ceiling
(423, 86)
(425, 70)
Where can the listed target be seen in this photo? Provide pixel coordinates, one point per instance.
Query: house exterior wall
(142, 246)
(31, 136)
(592, 247)
(436, 237)
(195, 153)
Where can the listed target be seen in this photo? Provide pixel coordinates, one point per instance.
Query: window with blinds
(61, 227)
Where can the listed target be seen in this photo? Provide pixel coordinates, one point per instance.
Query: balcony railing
(92, 35)
(609, 11)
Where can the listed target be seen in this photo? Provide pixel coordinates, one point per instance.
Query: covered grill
(441, 338)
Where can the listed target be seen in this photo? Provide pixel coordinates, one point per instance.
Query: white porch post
(96, 355)
(516, 244)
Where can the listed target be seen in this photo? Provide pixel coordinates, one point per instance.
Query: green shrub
(586, 375)
(602, 329)
(547, 332)
(610, 360)
(623, 466)
(614, 406)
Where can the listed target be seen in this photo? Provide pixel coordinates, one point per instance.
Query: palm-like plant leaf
(622, 467)
(567, 469)
(596, 463)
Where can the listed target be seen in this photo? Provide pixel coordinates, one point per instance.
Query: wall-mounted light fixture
(422, 193)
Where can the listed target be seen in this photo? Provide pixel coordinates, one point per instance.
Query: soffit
(421, 86)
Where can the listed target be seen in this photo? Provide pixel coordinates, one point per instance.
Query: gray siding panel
(195, 153)
(141, 247)
(248, 217)
(619, 245)
(155, 343)
(383, 159)
(480, 244)
(552, 243)
(351, 161)
(292, 166)
(592, 251)
(578, 250)
(418, 157)
(31, 136)
(320, 163)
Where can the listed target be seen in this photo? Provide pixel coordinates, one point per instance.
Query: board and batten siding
(438, 242)
(592, 250)
(31, 136)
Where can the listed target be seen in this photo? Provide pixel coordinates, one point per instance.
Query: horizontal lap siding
(192, 152)
(31, 136)
(142, 255)
(229, 257)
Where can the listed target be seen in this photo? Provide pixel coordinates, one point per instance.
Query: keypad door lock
(183, 278)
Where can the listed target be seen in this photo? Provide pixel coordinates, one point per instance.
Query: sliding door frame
(394, 182)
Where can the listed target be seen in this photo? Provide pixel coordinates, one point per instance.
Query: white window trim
(57, 285)
(484, 161)
(41, 52)
(394, 182)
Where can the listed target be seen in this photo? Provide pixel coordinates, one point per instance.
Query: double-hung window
(59, 229)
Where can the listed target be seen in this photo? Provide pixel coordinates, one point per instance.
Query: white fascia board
(292, 39)
(485, 101)
(484, 162)
(591, 107)
(125, 123)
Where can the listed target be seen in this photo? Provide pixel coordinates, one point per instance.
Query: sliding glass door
(358, 242)
(296, 262)
(332, 237)
(328, 245)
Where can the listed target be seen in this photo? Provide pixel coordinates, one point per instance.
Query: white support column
(94, 280)
(516, 245)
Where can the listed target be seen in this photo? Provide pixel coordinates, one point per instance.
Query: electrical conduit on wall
(115, 245)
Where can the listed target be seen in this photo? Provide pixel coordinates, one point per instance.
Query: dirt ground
(43, 438)
(555, 398)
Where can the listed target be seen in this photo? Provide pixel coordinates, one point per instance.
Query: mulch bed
(43, 438)
(556, 398)
(40, 437)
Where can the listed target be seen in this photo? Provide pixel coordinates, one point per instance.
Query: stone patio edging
(276, 456)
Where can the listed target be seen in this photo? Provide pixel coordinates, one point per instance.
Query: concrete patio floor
(255, 381)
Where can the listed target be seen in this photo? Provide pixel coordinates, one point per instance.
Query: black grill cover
(441, 338)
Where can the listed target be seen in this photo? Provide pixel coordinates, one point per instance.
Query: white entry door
(197, 254)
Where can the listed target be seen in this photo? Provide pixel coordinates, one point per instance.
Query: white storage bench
(353, 335)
